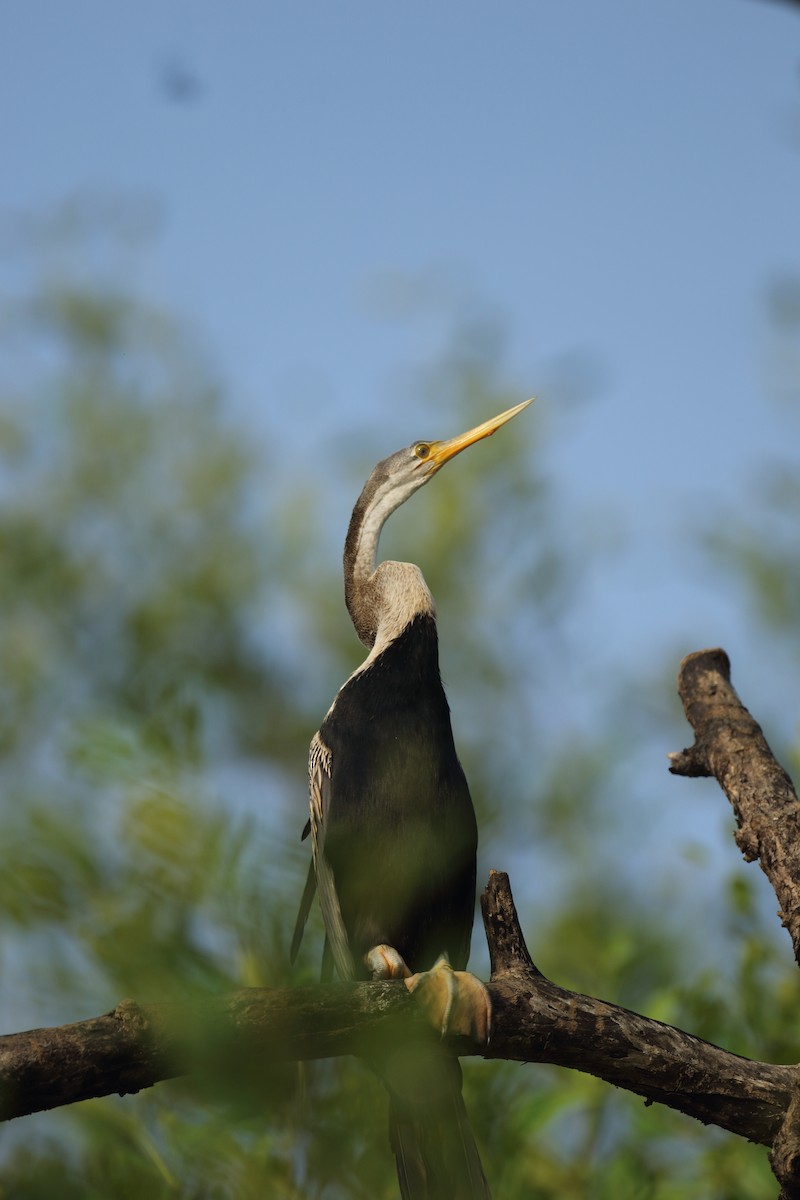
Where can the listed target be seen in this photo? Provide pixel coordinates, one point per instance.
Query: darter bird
(393, 828)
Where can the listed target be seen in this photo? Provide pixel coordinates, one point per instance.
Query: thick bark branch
(137, 1045)
(730, 745)
(542, 1022)
(785, 1154)
(534, 1021)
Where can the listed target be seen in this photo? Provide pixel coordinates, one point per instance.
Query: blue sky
(617, 182)
(617, 179)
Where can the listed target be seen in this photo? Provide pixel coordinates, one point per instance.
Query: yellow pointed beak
(442, 452)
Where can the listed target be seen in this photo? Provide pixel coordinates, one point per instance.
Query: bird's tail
(429, 1130)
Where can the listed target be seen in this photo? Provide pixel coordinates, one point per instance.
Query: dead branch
(730, 745)
(542, 1022)
(534, 1020)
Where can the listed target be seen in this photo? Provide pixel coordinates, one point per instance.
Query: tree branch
(785, 1154)
(541, 1022)
(137, 1045)
(730, 745)
(534, 1021)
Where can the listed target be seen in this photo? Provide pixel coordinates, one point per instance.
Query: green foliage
(153, 736)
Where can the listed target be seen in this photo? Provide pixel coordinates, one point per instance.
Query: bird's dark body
(393, 829)
(401, 835)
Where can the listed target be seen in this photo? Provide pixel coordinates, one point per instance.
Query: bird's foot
(455, 1001)
(385, 963)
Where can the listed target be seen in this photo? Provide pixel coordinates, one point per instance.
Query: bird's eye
(422, 450)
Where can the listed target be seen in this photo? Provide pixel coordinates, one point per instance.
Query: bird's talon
(384, 962)
(455, 1001)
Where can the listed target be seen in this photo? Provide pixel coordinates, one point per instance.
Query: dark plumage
(401, 836)
(392, 822)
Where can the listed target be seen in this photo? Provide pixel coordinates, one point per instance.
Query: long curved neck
(360, 556)
(380, 601)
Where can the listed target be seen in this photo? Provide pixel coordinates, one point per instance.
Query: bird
(393, 829)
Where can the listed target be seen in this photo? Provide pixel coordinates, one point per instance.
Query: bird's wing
(319, 779)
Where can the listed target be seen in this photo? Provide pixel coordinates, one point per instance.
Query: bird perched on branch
(393, 829)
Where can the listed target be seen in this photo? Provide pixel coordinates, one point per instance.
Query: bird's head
(403, 473)
(430, 457)
(390, 484)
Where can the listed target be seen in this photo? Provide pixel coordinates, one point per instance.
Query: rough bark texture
(730, 745)
(785, 1154)
(138, 1045)
(542, 1022)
